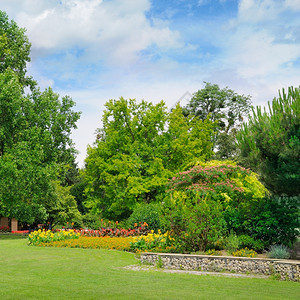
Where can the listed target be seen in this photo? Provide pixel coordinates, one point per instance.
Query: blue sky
(95, 50)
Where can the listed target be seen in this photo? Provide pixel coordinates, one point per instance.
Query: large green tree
(35, 128)
(138, 148)
(14, 48)
(270, 143)
(225, 107)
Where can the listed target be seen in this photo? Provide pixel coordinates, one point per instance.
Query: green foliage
(30, 214)
(188, 139)
(35, 128)
(25, 182)
(149, 213)
(63, 208)
(14, 47)
(233, 185)
(195, 220)
(270, 143)
(279, 251)
(272, 220)
(77, 191)
(223, 106)
(232, 242)
(249, 242)
(138, 148)
(231, 191)
(91, 220)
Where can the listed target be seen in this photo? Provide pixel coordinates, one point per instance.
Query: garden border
(283, 269)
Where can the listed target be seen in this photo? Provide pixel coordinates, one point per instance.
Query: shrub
(149, 213)
(91, 221)
(222, 194)
(275, 220)
(251, 243)
(245, 252)
(195, 220)
(232, 242)
(272, 220)
(279, 251)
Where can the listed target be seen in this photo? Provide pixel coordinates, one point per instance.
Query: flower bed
(117, 243)
(142, 229)
(47, 236)
(20, 231)
(4, 229)
(153, 242)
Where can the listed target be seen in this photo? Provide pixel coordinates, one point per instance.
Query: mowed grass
(29, 272)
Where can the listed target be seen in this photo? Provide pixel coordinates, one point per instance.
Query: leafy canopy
(226, 108)
(14, 48)
(138, 148)
(35, 128)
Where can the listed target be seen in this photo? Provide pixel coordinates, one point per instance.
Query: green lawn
(29, 272)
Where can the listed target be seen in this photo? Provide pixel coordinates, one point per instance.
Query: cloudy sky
(96, 50)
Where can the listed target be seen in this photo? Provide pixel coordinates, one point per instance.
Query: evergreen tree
(270, 143)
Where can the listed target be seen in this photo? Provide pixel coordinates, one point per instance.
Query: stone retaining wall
(287, 270)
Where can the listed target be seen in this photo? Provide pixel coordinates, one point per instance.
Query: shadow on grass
(12, 236)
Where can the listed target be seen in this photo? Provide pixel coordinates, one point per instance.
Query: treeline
(181, 170)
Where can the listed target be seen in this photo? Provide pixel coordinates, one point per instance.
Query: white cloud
(261, 42)
(253, 11)
(293, 4)
(257, 53)
(113, 31)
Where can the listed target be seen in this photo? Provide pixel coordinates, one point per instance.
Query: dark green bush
(149, 213)
(272, 220)
(232, 242)
(197, 222)
(251, 243)
(92, 221)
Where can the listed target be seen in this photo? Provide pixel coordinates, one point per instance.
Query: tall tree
(270, 143)
(137, 150)
(35, 128)
(223, 106)
(14, 48)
